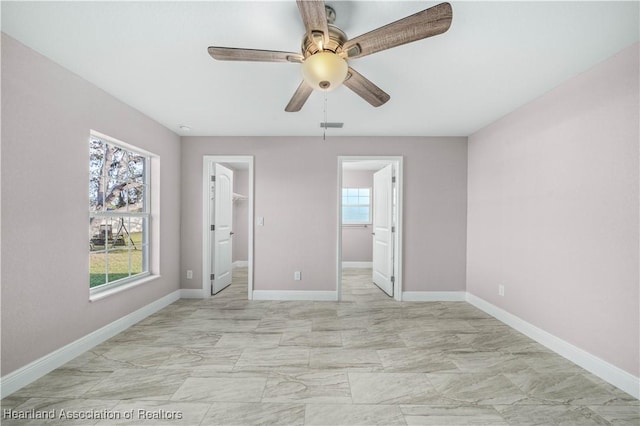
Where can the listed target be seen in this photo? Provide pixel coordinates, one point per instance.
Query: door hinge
(393, 179)
(213, 227)
(213, 178)
(393, 279)
(393, 229)
(213, 277)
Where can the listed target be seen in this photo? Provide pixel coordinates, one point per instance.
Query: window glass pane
(101, 233)
(118, 162)
(114, 198)
(94, 232)
(355, 215)
(96, 157)
(363, 214)
(95, 193)
(117, 263)
(352, 192)
(364, 200)
(348, 215)
(137, 244)
(97, 269)
(363, 192)
(118, 231)
(137, 266)
(122, 165)
(136, 165)
(135, 197)
(352, 201)
(136, 229)
(96, 174)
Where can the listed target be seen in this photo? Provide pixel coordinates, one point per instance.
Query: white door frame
(397, 261)
(207, 160)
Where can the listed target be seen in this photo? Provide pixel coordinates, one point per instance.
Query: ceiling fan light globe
(324, 71)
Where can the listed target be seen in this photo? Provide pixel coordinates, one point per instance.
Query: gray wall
(296, 193)
(47, 113)
(553, 212)
(357, 242)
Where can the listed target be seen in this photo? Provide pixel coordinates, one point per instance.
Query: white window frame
(369, 206)
(144, 276)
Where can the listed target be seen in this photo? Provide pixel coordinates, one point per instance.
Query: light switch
(260, 221)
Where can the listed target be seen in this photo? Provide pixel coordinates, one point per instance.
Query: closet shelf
(239, 197)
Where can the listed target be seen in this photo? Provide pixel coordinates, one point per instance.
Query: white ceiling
(153, 56)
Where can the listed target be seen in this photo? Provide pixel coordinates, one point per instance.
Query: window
(119, 211)
(356, 206)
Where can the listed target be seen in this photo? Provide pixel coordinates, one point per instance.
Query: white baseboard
(240, 264)
(38, 368)
(294, 295)
(607, 372)
(360, 265)
(434, 296)
(191, 293)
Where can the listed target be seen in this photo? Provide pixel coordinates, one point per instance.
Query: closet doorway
(227, 212)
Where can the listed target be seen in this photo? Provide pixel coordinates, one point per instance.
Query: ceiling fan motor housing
(324, 58)
(337, 38)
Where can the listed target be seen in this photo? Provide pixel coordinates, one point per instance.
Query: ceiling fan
(326, 50)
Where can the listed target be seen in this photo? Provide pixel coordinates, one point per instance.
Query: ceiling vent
(331, 125)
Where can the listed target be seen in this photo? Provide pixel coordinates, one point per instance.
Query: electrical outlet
(189, 274)
(297, 276)
(500, 290)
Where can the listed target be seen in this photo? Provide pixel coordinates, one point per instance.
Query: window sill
(106, 293)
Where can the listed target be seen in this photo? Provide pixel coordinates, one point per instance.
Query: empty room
(320, 213)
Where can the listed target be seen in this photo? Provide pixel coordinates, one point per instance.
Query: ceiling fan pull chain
(324, 134)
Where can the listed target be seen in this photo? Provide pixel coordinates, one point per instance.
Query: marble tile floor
(366, 360)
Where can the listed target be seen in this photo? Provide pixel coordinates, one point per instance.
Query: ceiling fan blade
(233, 54)
(427, 23)
(299, 98)
(314, 17)
(365, 88)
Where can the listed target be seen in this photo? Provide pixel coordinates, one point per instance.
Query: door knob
(231, 233)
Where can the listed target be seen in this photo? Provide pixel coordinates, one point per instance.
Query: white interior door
(221, 227)
(383, 229)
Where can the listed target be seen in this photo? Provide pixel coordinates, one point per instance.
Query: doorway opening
(370, 223)
(227, 217)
